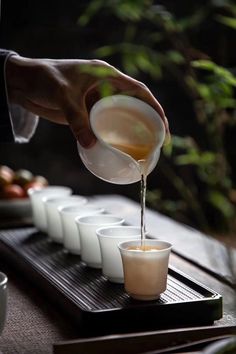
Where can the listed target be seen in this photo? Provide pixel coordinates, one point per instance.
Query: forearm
(23, 123)
(6, 133)
(17, 73)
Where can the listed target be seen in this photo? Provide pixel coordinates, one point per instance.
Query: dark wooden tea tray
(97, 305)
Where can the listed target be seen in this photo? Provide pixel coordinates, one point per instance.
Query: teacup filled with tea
(145, 267)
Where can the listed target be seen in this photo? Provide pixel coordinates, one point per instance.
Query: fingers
(137, 89)
(120, 83)
(86, 138)
(77, 117)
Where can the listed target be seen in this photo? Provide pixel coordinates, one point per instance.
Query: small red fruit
(22, 177)
(40, 179)
(6, 176)
(13, 191)
(35, 185)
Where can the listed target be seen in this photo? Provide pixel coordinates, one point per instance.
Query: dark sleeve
(6, 133)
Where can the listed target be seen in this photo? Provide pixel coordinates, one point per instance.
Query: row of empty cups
(84, 228)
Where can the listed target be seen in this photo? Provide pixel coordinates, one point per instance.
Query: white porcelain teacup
(87, 226)
(54, 225)
(3, 300)
(36, 198)
(109, 237)
(71, 239)
(145, 267)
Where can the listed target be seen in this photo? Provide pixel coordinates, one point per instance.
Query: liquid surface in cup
(130, 132)
(137, 152)
(144, 248)
(125, 125)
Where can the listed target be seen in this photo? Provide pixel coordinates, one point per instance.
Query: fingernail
(167, 139)
(168, 136)
(86, 138)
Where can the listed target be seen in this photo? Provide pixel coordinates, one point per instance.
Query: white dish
(15, 208)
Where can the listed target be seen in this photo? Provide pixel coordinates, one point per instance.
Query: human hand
(63, 91)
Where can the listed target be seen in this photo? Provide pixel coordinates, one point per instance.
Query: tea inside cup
(145, 267)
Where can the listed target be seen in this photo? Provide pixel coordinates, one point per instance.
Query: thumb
(86, 138)
(78, 119)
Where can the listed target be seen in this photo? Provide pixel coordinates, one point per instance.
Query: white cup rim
(130, 227)
(68, 209)
(124, 244)
(60, 199)
(127, 101)
(48, 189)
(81, 219)
(3, 279)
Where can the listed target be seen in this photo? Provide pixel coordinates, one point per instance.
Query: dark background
(48, 28)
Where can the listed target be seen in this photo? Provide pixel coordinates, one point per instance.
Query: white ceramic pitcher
(126, 129)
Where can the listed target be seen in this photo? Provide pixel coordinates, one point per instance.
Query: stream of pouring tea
(143, 190)
(134, 134)
(140, 154)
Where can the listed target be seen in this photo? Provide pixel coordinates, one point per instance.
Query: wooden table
(34, 324)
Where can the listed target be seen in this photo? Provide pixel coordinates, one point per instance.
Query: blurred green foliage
(154, 41)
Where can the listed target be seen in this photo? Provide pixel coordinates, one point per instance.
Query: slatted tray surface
(94, 302)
